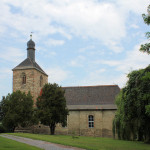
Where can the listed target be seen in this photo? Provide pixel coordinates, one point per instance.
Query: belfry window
(41, 81)
(91, 121)
(24, 79)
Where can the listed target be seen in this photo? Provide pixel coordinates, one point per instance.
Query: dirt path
(41, 144)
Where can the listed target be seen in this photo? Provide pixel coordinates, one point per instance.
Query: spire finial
(31, 35)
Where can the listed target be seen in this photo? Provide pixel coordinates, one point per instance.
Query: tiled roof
(91, 95)
(29, 64)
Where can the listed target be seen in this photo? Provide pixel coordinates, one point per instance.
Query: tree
(51, 106)
(146, 18)
(16, 109)
(132, 119)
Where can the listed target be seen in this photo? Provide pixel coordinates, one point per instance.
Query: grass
(7, 144)
(90, 143)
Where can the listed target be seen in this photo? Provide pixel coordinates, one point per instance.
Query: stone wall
(77, 123)
(32, 81)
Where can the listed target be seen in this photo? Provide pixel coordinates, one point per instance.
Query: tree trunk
(13, 129)
(52, 129)
(140, 135)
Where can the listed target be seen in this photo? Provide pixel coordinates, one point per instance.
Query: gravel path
(41, 144)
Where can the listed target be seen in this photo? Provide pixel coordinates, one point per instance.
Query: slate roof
(91, 95)
(29, 64)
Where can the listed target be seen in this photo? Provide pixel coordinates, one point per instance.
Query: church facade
(91, 108)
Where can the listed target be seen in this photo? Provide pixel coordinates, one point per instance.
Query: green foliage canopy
(16, 109)
(132, 120)
(146, 18)
(51, 106)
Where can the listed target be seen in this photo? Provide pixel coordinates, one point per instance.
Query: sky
(78, 42)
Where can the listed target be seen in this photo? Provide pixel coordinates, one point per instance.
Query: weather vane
(31, 35)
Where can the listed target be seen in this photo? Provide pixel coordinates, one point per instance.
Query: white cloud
(78, 61)
(102, 20)
(90, 18)
(53, 42)
(136, 6)
(6, 81)
(120, 80)
(134, 26)
(84, 49)
(57, 75)
(114, 46)
(52, 53)
(5, 73)
(134, 60)
(12, 54)
(97, 77)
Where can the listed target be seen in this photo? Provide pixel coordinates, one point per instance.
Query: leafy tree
(51, 106)
(16, 109)
(146, 18)
(132, 119)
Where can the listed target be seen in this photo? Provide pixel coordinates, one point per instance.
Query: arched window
(41, 81)
(91, 121)
(23, 78)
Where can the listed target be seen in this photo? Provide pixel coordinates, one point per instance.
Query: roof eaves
(90, 86)
(28, 67)
(92, 107)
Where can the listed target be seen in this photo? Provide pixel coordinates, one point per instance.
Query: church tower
(28, 75)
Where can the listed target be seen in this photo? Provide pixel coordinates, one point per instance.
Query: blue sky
(78, 42)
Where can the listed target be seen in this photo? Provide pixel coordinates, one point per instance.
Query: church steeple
(31, 49)
(28, 75)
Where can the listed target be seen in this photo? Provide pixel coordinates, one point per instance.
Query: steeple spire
(31, 48)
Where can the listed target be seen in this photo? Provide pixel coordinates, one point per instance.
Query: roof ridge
(89, 86)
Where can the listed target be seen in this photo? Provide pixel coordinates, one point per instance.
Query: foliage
(89, 143)
(2, 129)
(16, 110)
(8, 144)
(132, 120)
(146, 18)
(51, 106)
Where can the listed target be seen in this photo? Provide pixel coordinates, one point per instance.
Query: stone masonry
(32, 81)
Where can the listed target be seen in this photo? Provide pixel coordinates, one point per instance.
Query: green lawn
(91, 143)
(7, 144)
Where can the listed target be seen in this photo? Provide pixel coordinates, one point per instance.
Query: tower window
(41, 81)
(91, 121)
(24, 79)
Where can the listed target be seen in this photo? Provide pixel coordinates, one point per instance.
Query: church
(91, 108)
